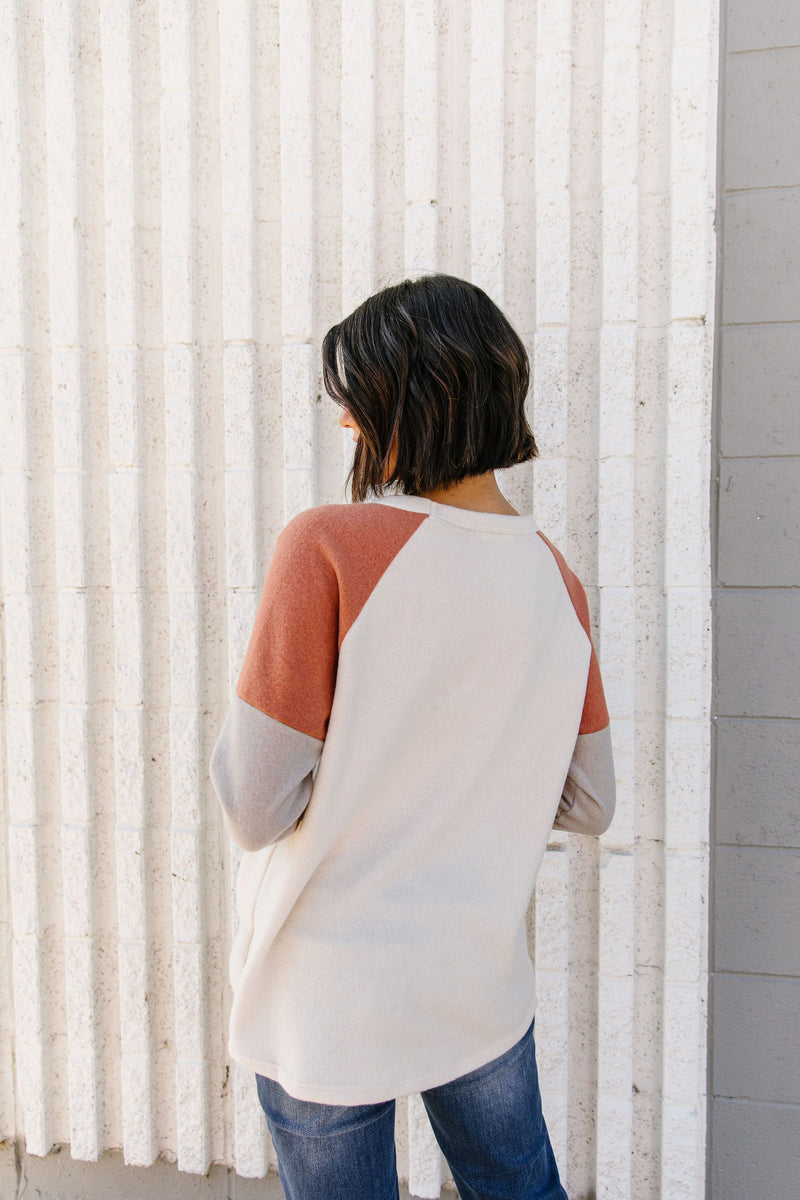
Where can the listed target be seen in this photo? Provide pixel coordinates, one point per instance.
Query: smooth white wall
(191, 195)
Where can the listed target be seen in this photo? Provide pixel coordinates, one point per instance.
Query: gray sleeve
(261, 770)
(590, 793)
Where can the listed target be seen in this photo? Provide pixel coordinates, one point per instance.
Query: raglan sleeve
(264, 757)
(588, 798)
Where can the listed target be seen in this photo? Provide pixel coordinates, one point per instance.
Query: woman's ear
(347, 422)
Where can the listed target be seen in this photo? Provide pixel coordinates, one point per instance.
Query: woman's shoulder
(334, 523)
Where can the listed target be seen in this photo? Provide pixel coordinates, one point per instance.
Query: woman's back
(433, 666)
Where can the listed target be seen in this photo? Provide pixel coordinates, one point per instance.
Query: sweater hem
(379, 1093)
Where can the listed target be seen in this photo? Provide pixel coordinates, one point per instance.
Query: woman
(420, 703)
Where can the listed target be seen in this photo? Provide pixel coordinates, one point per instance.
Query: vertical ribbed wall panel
(619, 130)
(420, 131)
(264, 169)
(552, 122)
(552, 119)
(359, 166)
(298, 261)
(487, 147)
(126, 480)
(582, 486)
(66, 213)
(359, 152)
(239, 389)
(687, 555)
(26, 1022)
(179, 259)
(14, 485)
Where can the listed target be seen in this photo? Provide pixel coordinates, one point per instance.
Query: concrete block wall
(754, 1127)
(192, 194)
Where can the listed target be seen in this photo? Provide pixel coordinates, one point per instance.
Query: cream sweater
(419, 705)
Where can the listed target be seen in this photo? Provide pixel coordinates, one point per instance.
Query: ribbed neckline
(489, 522)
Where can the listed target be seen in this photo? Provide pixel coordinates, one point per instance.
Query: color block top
(419, 705)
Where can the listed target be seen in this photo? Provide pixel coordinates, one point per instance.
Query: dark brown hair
(435, 360)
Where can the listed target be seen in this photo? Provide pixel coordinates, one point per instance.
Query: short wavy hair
(435, 361)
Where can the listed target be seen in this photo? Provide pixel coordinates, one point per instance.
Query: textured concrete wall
(191, 194)
(755, 1045)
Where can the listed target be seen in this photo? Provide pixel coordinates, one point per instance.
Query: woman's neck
(479, 493)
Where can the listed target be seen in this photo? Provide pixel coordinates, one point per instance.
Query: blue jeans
(488, 1123)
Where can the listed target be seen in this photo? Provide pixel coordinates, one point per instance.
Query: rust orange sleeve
(595, 711)
(289, 668)
(326, 562)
